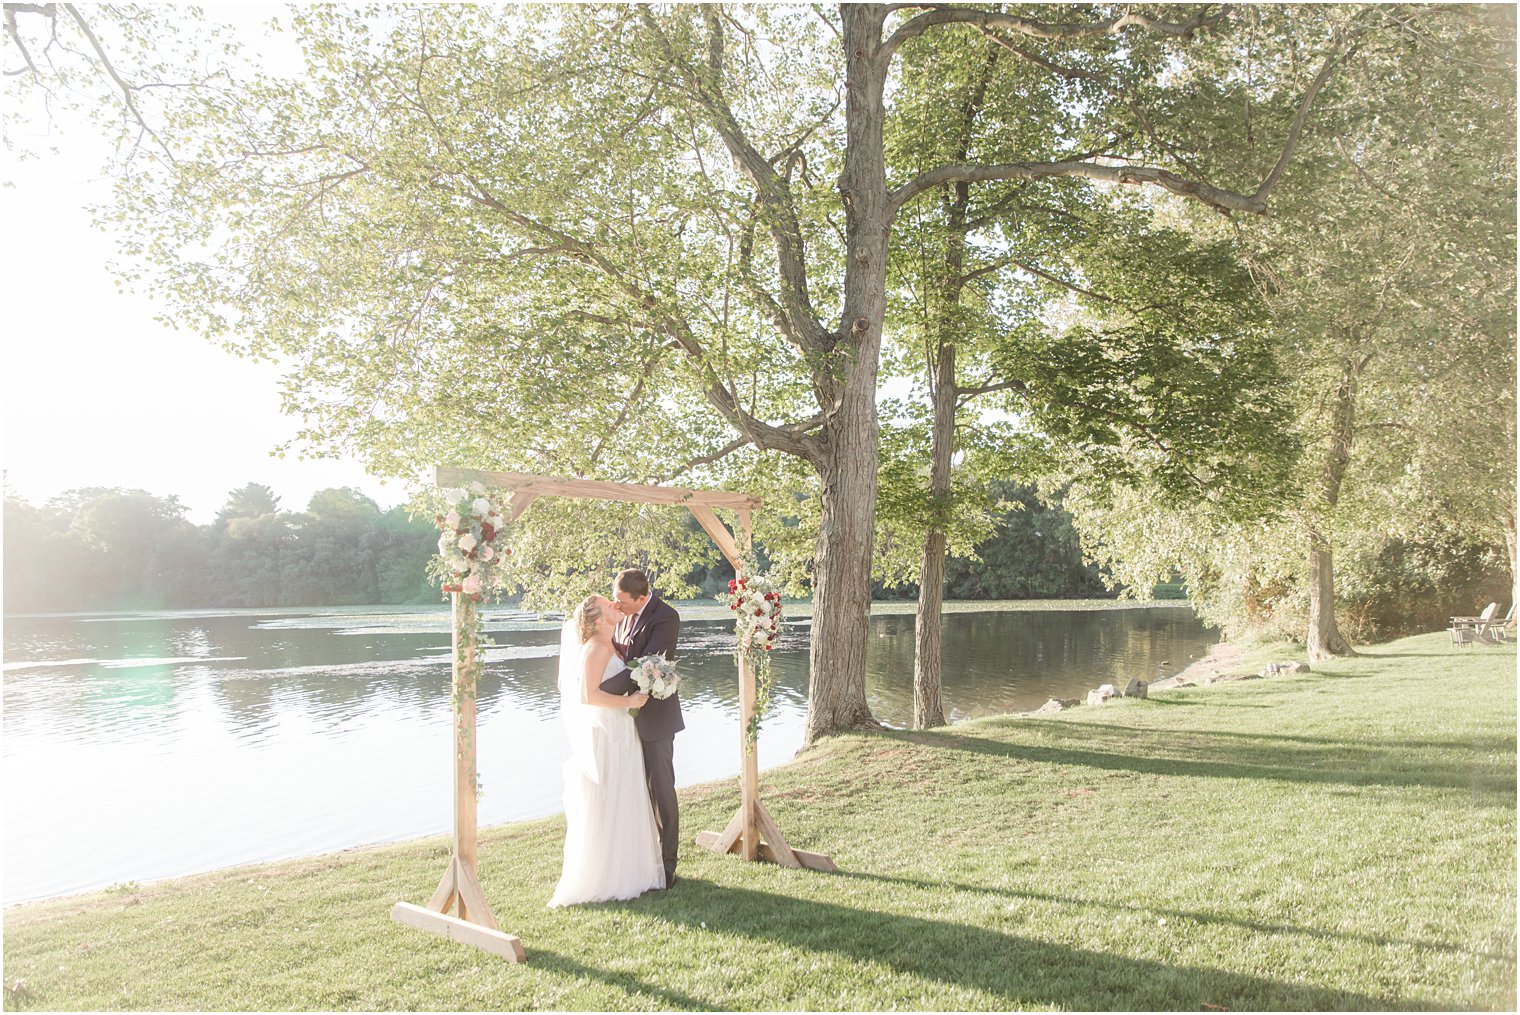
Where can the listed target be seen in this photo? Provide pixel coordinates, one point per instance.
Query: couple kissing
(621, 816)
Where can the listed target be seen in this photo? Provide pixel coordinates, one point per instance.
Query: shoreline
(1221, 658)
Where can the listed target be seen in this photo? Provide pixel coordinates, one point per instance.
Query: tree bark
(1509, 544)
(1324, 637)
(927, 710)
(927, 656)
(848, 463)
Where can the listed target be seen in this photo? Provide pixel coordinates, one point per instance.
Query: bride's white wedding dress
(612, 847)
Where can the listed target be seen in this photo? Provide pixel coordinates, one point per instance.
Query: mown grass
(1340, 839)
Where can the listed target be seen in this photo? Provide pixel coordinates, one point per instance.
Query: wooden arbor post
(752, 833)
(460, 888)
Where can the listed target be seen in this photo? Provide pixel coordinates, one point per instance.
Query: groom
(649, 627)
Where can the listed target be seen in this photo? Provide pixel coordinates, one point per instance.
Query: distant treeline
(114, 549)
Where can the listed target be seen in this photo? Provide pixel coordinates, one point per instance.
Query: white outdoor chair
(1496, 631)
(1469, 630)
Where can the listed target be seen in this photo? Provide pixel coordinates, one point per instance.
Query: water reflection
(144, 746)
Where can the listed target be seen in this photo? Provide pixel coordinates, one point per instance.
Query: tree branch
(14, 31)
(716, 456)
(1042, 29)
(1224, 200)
(771, 191)
(1298, 122)
(732, 446)
(1069, 73)
(986, 389)
(661, 318)
(1216, 197)
(110, 69)
(628, 404)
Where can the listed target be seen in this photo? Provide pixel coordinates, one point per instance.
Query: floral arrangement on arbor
(757, 625)
(471, 546)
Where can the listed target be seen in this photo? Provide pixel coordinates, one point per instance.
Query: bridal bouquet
(656, 677)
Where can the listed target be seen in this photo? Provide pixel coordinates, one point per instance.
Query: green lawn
(1340, 839)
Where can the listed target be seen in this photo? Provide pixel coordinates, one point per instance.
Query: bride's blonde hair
(587, 615)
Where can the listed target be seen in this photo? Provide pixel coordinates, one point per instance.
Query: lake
(148, 745)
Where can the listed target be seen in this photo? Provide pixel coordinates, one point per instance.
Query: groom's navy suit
(654, 632)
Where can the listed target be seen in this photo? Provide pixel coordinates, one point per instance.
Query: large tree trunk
(847, 467)
(1509, 544)
(1324, 636)
(927, 711)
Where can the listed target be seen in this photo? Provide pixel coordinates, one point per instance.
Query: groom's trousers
(660, 772)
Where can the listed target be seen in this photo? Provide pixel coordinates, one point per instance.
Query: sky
(95, 392)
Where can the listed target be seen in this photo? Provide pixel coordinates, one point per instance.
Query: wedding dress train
(612, 846)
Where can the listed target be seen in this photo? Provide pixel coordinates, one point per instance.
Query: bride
(612, 847)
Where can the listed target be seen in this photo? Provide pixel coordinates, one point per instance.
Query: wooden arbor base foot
(474, 924)
(768, 842)
(463, 931)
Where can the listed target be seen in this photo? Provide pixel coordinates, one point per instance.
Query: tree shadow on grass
(1476, 744)
(1418, 655)
(1257, 926)
(636, 988)
(1210, 754)
(1019, 972)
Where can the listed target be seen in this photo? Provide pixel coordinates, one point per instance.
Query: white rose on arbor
(452, 519)
(486, 553)
(477, 487)
(453, 495)
(481, 505)
(445, 543)
(467, 542)
(471, 585)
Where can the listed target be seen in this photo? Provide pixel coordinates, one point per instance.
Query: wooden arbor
(752, 832)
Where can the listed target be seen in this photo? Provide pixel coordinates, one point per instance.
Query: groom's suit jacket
(654, 633)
